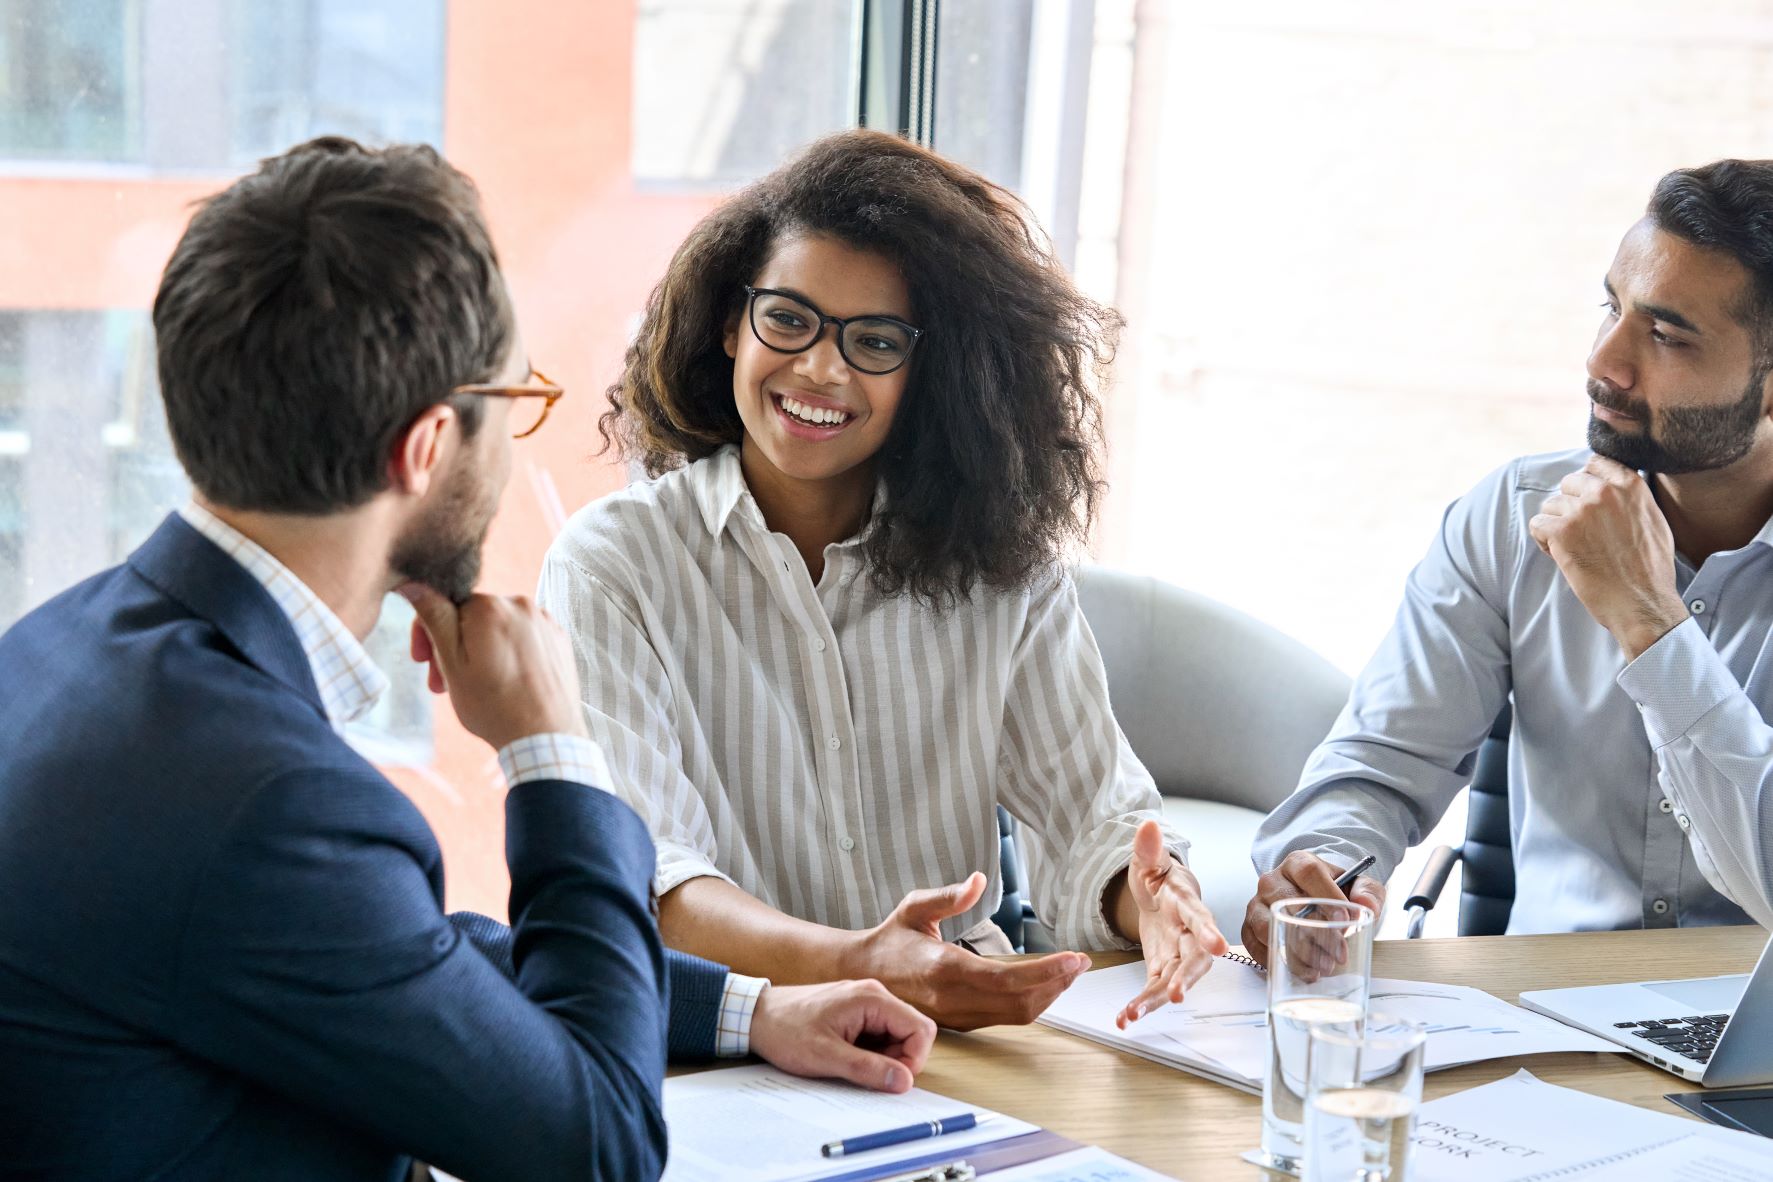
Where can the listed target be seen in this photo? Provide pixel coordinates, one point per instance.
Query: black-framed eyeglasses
(868, 344)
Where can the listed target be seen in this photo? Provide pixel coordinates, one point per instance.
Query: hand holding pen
(1304, 875)
(1343, 882)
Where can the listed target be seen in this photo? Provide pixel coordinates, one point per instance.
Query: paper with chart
(1218, 1029)
(1522, 1129)
(757, 1124)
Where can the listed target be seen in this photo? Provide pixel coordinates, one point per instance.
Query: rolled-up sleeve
(1405, 743)
(629, 715)
(1714, 757)
(1068, 773)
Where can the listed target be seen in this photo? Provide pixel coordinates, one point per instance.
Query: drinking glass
(1320, 964)
(1362, 1090)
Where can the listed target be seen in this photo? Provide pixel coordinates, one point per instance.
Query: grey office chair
(1220, 707)
(1486, 894)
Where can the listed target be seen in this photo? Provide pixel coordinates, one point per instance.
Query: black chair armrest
(1427, 891)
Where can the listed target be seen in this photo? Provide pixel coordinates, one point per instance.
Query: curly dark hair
(992, 465)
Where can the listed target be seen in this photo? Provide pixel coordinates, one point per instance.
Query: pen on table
(1344, 881)
(916, 1132)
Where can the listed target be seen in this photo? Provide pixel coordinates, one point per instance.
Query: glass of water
(1363, 1088)
(1320, 964)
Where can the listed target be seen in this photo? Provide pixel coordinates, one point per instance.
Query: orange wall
(537, 110)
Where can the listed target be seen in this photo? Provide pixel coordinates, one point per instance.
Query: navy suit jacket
(223, 952)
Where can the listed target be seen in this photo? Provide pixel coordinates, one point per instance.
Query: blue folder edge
(984, 1158)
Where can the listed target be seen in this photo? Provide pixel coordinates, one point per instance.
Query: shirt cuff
(554, 756)
(1677, 681)
(738, 1002)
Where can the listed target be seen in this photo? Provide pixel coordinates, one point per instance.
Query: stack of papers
(1219, 1029)
(757, 1124)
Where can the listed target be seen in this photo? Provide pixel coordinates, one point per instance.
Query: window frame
(895, 75)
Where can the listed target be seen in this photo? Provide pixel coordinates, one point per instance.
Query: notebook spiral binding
(1243, 960)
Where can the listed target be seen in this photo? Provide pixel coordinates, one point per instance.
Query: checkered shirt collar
(349, 682)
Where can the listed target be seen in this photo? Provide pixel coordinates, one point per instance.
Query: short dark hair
(1728, 206)
(992, 466)
(313, 310)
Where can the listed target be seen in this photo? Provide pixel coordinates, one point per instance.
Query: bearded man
(1620, 597)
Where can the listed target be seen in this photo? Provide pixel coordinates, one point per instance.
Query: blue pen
(916, 1132)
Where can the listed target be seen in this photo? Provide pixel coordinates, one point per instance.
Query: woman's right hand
(959, 989)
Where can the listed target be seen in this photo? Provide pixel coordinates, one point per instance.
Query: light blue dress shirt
(1641, 795)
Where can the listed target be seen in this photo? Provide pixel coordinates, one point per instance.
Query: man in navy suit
(223, 952)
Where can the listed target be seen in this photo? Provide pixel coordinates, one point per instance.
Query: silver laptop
(1715, 1031)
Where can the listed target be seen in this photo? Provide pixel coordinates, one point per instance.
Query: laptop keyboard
(1691, 1038)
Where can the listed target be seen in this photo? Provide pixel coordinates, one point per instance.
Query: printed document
(1522, 1129)
(1219, 1029)
(757, 1124)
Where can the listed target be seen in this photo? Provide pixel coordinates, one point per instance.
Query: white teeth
(816, 415)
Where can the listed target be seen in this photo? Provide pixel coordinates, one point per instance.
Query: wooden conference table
(1195, 1130)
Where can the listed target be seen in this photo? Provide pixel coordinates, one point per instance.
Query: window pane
(369, 69)
(70, 80)
(214, 84)
(724, 89)
(85, 470)
(982, 85)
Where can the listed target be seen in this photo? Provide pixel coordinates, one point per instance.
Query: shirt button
(1684, 822)
(834, 742)
(1667, 805)
(1660, 907)
(818, 644)
(848, 844)
(1697, 607)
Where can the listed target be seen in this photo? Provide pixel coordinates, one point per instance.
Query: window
(725, 89)
(205, 85)
(70, 80)
(84, 470)
(369, 69)
(982, 85)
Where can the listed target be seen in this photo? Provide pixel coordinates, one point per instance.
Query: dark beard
(1683, 438)
(442, 548)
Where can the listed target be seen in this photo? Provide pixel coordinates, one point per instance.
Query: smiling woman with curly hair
(837, 629)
